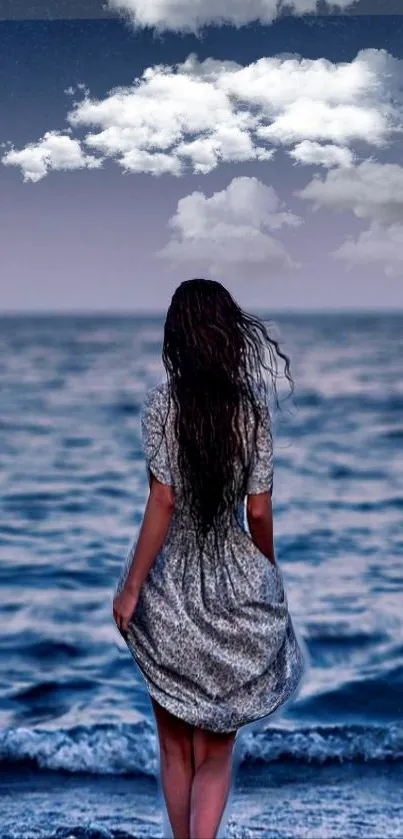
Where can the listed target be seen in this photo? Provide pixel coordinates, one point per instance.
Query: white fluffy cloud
(54, 151)
(192, 15)
(370, 190)
(198, 114)
(231, 231)
(378, 244)
(314, 154)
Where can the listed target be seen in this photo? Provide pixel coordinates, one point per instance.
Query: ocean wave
(123, 749)
(375, 697)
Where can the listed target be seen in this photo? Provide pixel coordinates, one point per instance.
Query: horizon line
(145, 313)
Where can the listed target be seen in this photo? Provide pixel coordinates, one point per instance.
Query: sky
(146, 143)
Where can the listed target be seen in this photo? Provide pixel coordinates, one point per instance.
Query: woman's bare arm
(156, 521)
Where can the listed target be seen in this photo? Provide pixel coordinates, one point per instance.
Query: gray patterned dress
(214, 640)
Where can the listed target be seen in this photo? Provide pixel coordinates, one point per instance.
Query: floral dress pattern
(214, 640)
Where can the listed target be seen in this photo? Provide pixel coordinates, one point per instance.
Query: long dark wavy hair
(214, 356)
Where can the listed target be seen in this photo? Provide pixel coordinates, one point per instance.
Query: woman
(201, 603)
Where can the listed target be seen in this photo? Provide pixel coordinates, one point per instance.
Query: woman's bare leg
(177, 770)
(212, 781)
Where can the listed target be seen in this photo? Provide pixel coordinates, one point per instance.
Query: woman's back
(161, 449)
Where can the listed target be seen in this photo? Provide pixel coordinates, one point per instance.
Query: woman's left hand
(124, 606)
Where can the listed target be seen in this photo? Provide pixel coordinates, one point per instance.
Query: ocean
(78, 744)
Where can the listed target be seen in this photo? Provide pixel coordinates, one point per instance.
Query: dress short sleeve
(261, 474)
(153, 438)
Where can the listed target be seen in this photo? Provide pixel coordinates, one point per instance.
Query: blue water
(78, 747)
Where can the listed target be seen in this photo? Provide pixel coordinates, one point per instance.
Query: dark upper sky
(195, 170)
(36, 9)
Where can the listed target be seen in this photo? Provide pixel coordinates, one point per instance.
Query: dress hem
(285, 696)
